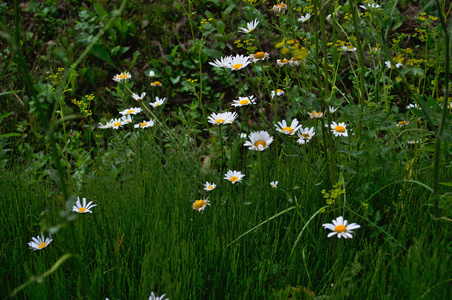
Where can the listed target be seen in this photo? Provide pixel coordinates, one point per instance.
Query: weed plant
(301, 113)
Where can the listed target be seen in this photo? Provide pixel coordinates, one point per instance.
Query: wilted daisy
(259, 140)
(39, 242)
(83, 208)
(388, 64)
(156, 83)
(332, 109)
(315, 115)
(138, 98)
(339, 129)
(243, 135)
(278, 92)
(414, 142)
(144, 124)
(131, 111)
(282, 127)
(250, 26)
(259, 56)
(209, 186)
(274, 184)
(116, 123)
(154, 297)
(403, 124)
(122, 77)
(282, 62)
(305, 135)
(126, 119)
(341, 228)
(278, 8)
(410, 106)
(242, 101)
(238, 62)
(223, 62)
(200, 205)
(348, 48)
(293, 62)
(102, 126)
(305, 18)
(234, 176)
(158, 102)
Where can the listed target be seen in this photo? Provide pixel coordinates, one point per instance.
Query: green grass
(144, 236)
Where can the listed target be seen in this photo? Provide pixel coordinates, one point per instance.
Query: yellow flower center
(284, 61)
(403, 123)
(237, 66)
(117, 124)
(339, 128)
(305, 135)
(42, 245)
(244, 101)
(130, 111)
(122, 76)
(199, 204)
(81, 209)
(210, 187)
(157, 104)
(340, 228)
(260, 143)
(288, 129)
(143, 124)
(282, 5)
(259, 55)
(233, 178)
(278, 91)
(219, 121)
(156, 83)
(316, 114)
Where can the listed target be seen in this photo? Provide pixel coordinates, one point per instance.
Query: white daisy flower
(388, 64)
(259, 140)
(126, 119)
(242, 101)
(259, 56)
(39, 242)
(410, 106)
(274, 184)
(282, 127)
(222, 63)
(332, 109)
(83, 208)
(234, 176)
(115, 123)
(315, 115)
(250, 26)
(238, 62)
(293, 62)
(278, 92)
(304, 18)
(402, 124)
(243, 135)
(144, 124)
(370, 5)
(131, 111)
(305, 135)
(209, 186)
(200, 205)
(156, 83)
(122, 77)
(348, 48)
(282, 62)
(154, 297)
(138, 98)
(341, 228)
(151, 74)
(280, 8)
(229, 117)
(339, 129)
(158, 102)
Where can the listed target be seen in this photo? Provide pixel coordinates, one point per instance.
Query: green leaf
(220, 27)
(100, 52)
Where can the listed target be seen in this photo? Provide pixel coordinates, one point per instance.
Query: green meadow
(209, 149)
